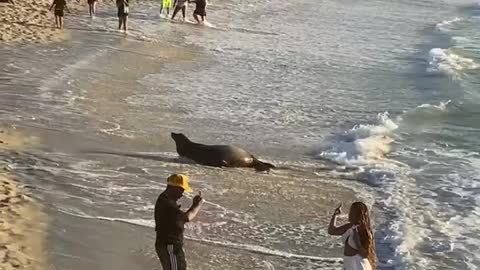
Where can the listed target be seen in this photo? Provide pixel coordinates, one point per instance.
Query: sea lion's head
(181, 141)
(179, 137)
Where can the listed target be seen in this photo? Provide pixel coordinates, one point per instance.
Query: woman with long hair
(359, 250)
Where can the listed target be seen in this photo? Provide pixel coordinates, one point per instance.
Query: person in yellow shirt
(166, 4)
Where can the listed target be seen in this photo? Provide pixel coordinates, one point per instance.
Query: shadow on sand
(155, 157)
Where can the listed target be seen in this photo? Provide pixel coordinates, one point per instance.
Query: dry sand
(23, 224)
(29, 21)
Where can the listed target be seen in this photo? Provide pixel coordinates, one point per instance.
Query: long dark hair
(360, 216)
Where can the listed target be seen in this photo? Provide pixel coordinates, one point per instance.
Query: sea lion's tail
(262, 166)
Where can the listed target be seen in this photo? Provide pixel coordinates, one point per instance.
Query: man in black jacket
(170, 221)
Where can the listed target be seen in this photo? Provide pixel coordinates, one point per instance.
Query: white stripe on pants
(173, 258)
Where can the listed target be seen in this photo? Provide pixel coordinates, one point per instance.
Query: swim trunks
(200, 8)
(59, 12)
(200, 12)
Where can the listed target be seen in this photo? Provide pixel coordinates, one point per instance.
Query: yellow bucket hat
(179, 180)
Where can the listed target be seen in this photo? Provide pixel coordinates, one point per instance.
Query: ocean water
(373, 100)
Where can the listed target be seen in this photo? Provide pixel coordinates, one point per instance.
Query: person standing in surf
(180, 5)
(359, 250)
(122, 6)
(60, 6)
(200, 10)
(170, 222)
(92, 7)
(166, 4)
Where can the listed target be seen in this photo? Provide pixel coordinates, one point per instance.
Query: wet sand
(23, 226)
(92, 243)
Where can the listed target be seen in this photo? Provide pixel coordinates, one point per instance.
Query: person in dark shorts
(91, 7)
(200, 10)
(59, 5)
(170, 222)
(180, 5)
(122, 6)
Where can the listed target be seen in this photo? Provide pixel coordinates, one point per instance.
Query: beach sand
(29, 21)
(23, 226)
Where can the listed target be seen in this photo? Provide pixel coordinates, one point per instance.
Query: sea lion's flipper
(224, 163)
(262, 166)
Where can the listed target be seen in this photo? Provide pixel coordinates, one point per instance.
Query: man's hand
(193, 211)
(197, 200)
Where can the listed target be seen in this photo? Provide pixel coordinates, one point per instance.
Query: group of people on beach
(199, 13)
(357, 236)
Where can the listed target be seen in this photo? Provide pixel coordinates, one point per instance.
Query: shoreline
(23, 228)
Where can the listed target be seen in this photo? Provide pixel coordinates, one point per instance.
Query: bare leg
(195, 16)
(61, 22)
(125, 21)
(56, 21)
(94, 7)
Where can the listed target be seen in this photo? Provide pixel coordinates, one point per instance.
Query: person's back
(60, 4)
(201, 4)
(122, 3)
(169, 221)
(181, 3)
(357, 236)
(122, 13)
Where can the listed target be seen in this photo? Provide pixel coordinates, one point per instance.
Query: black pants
(172, 257)
(177, 9)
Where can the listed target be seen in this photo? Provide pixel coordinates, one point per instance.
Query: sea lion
(217, 155)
